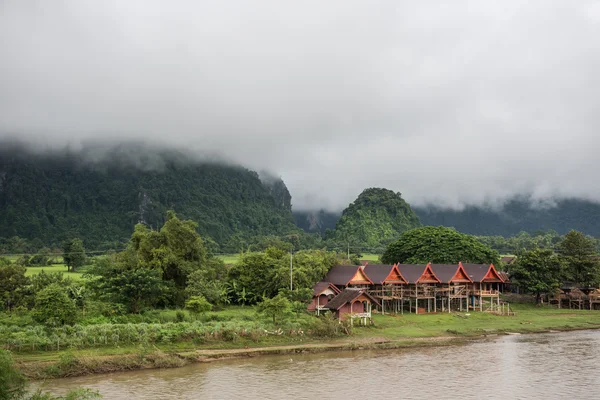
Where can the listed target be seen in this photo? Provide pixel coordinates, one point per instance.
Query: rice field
(54, 268)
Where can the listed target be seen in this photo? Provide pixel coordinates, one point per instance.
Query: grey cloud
(450, 103)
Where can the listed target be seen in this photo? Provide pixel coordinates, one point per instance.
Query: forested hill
(64, 195)
(517, 216)
(375, 218)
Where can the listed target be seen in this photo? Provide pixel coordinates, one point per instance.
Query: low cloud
(469, 102)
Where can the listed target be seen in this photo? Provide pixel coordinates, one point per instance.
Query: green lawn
(54, 268)
(528, 318)
(370, 257)
(229, 258)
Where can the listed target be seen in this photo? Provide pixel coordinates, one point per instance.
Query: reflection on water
(547, 366)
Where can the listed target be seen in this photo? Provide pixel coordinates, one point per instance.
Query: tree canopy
(538, 271)
(438, 245)
(578, 253)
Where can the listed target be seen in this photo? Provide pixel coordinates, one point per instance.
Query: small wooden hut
(323, 292)
(352, 303)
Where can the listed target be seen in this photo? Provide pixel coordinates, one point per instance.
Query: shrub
(53, 307)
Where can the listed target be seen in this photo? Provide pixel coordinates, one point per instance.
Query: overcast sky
(448, 102)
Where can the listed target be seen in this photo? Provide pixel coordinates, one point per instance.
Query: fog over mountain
(450, 103)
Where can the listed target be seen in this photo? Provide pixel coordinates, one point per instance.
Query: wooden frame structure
(454, 288)
(424, 288)
(388, 286)
(486, 285)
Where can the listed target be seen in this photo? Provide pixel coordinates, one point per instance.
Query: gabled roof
(347, 296)
(418, 273)
(482, 272)
(508, 259)
(504, 276)
(448, 273)
(382, 274)
(321, 286)
(343, 275)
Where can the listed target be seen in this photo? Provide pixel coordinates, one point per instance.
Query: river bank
(388, 332)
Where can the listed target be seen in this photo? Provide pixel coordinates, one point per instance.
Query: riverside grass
(388, 331)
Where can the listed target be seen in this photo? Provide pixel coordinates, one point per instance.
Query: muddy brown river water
(541, 366)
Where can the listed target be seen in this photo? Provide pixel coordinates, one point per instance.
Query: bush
(53, 307)
(179, 316)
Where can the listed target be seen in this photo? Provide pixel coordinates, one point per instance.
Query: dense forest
(61, 195)
(518, 215)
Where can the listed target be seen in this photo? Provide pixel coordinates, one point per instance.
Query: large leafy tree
(578, 252)
(155, 268)
(538, 271)
(209, 282)
(133, 286)
(437, 245)
(13, 285)
(265, 274)
(74, 254)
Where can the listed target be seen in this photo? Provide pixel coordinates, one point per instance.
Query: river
(540, 366)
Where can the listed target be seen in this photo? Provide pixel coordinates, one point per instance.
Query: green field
(370, 257)
(229, 258)
(54, 268)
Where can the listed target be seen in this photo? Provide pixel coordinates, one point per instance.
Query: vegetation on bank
(388, 331)
(13, 385)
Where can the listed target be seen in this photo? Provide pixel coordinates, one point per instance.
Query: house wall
(320, 300)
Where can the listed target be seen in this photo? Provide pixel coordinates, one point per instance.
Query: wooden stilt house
(388, 286)
(453, 292)
(486, 285)
(323, 292)
(343, 276)
(421, 290)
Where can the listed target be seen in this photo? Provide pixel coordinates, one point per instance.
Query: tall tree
(74, 254)
(13, 283)
(578, 252)
(538, 271)
(438, 245)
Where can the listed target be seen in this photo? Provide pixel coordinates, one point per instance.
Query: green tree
(74, 254)
(438, 245)
(267, 273)
(134, 287)
(53, 307)
(209, 281)
(198, 305)
(276, 308)
(538, 271)
(13, 285)
(578, 253)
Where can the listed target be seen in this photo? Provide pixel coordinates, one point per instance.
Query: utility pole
(291, 269)
(348, 251)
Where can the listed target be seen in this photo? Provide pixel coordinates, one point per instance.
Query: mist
(450, 103)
